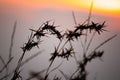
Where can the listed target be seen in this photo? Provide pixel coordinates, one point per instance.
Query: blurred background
(32, 13)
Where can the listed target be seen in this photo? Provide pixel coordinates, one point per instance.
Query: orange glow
(105, 7)
(109, 7)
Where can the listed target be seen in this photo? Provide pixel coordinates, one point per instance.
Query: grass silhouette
(60, 51)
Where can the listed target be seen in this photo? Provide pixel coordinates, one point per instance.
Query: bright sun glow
(107, 4)
(111, 7)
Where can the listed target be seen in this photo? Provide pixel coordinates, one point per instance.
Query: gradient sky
(32, 13)
(100, 6)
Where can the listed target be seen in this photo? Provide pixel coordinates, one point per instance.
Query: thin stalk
(55, 57)
(74, 73)
(12, 39)
(56, 67)
(63, 46)
(90, 11)
(6, 65)
(105, 42)
(90, 41)
(75, 21)
(84, 46)
(2, 60)
(59, 44)
(74, 18)
(11, 46)
(73, 51)
(48, 69)
(30, 58)
(52, 62)
(16, 72)
(81, 42)
(89, 17)
(20, 60)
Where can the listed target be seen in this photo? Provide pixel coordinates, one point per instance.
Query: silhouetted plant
(60, 51)
(66, 53)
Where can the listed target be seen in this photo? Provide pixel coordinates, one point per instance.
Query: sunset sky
(106, 7)
(32, 13)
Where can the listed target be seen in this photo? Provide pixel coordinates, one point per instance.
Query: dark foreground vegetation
(80, 34)
(61, 50)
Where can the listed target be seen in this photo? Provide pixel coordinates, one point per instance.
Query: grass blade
(30, 58)
(12, 39)
(6, 64)
(105, 42)
(74, 18)
(2, 60)
(65, 76)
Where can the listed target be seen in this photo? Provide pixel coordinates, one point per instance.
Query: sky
(32, 13)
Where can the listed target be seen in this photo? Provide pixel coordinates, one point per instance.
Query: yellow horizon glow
(105, 7)
(109, 7)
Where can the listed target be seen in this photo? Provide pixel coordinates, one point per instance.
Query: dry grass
(60, 51)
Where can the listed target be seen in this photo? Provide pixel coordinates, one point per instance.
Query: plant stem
(90, 41)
